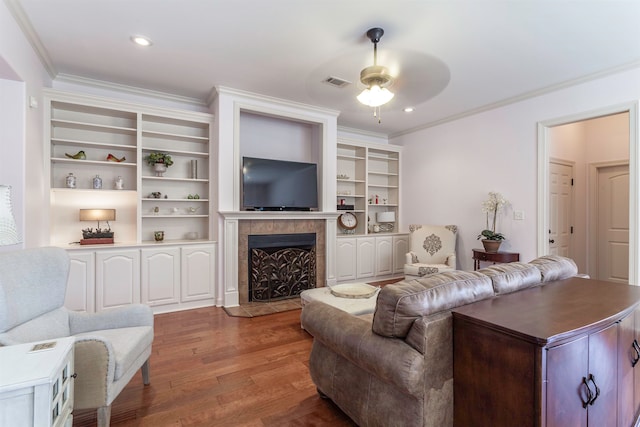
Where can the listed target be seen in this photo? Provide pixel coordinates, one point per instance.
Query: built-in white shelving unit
(368, 178)
(174, 274)
(107, 130)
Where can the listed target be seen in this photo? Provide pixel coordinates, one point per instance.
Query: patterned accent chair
(432, 249)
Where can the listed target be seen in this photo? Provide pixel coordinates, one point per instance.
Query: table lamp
(386, 220)
(99, 236)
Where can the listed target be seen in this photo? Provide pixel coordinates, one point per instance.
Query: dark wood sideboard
(558, 355)
(494, 257)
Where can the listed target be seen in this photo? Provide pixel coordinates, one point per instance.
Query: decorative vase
(160, 168)
(158, 235)
(491, 245)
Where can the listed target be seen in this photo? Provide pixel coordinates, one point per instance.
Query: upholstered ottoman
(359, 298)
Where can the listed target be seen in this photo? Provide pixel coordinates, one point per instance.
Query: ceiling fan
(376, 78)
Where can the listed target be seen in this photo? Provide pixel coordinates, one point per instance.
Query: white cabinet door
(346, 255)
(160, 276)
(366, 257)
(81, 285)
(400, 249)
(198, 272)
(117, 278)
(384, 256)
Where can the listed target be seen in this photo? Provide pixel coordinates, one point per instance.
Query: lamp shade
(386, 216)
(97, 214)
(8, 229)
(375, 96)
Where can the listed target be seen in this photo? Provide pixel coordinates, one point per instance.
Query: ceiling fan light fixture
(141, 41)
(376, 78)
(375, 96)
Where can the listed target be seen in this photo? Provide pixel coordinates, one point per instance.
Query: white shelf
(166, 178)
(91, 126)
(176, 152)
(101, 127)
(152, 199)
(83, 143)
(174, 216)
(168, 135)
(91, 162)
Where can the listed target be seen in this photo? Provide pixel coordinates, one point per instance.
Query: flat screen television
(279, 185)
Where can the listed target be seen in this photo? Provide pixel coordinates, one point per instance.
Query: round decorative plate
(354, 290)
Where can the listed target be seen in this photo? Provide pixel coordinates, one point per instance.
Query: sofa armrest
(390, 359)
(121, 317)
(94, 364)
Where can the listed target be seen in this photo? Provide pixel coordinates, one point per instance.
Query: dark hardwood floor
(211, 369)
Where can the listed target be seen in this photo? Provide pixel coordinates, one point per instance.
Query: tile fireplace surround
(239, 225)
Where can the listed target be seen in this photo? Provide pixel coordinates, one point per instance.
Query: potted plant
(159, 161)
(491, 240)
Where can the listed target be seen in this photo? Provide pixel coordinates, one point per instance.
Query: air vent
(337, 82)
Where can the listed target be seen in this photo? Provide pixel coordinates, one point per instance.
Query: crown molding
(27, 29)
(101, 84)
(524, 96)
(269, 99)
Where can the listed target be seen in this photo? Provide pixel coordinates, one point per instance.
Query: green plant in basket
(158, 157)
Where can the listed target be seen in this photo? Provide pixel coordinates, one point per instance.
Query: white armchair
(110, 346)
(432, 249)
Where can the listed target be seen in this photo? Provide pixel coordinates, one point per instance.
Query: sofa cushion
(555, 267)
(400, 304)
(511, 277)
(33, 282)
(54, 324)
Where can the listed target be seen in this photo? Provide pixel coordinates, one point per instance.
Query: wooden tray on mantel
(354, 290)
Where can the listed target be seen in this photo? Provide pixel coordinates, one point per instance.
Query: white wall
(20, 64)
(449, 169)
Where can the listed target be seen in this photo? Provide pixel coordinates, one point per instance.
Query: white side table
(36, 386)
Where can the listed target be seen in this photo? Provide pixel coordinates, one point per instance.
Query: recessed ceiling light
(408, 110)
(141, 40)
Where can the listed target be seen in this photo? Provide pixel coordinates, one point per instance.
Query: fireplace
(280, 266)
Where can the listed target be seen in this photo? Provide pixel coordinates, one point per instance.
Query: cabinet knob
(551, 241)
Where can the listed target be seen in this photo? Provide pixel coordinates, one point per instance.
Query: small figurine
(78, 156)
(112, 158)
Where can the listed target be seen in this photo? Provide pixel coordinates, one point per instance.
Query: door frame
(634, 178)
(592, 226)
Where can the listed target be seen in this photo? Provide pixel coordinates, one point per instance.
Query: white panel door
(81, 285)
(365, 267)
(613, 224)
(384, 256)
(198, 272)
(117, 278)
(160, 276)
(560, 208)
(346, 256)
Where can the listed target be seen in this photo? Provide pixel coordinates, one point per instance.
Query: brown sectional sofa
(395, 367)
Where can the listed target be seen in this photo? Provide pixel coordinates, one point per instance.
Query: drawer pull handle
(593, 380)
(585, 403)
(636, 347)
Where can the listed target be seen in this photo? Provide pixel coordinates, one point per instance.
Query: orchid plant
(492, 207)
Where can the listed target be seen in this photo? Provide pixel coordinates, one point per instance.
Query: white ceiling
(451, 57)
